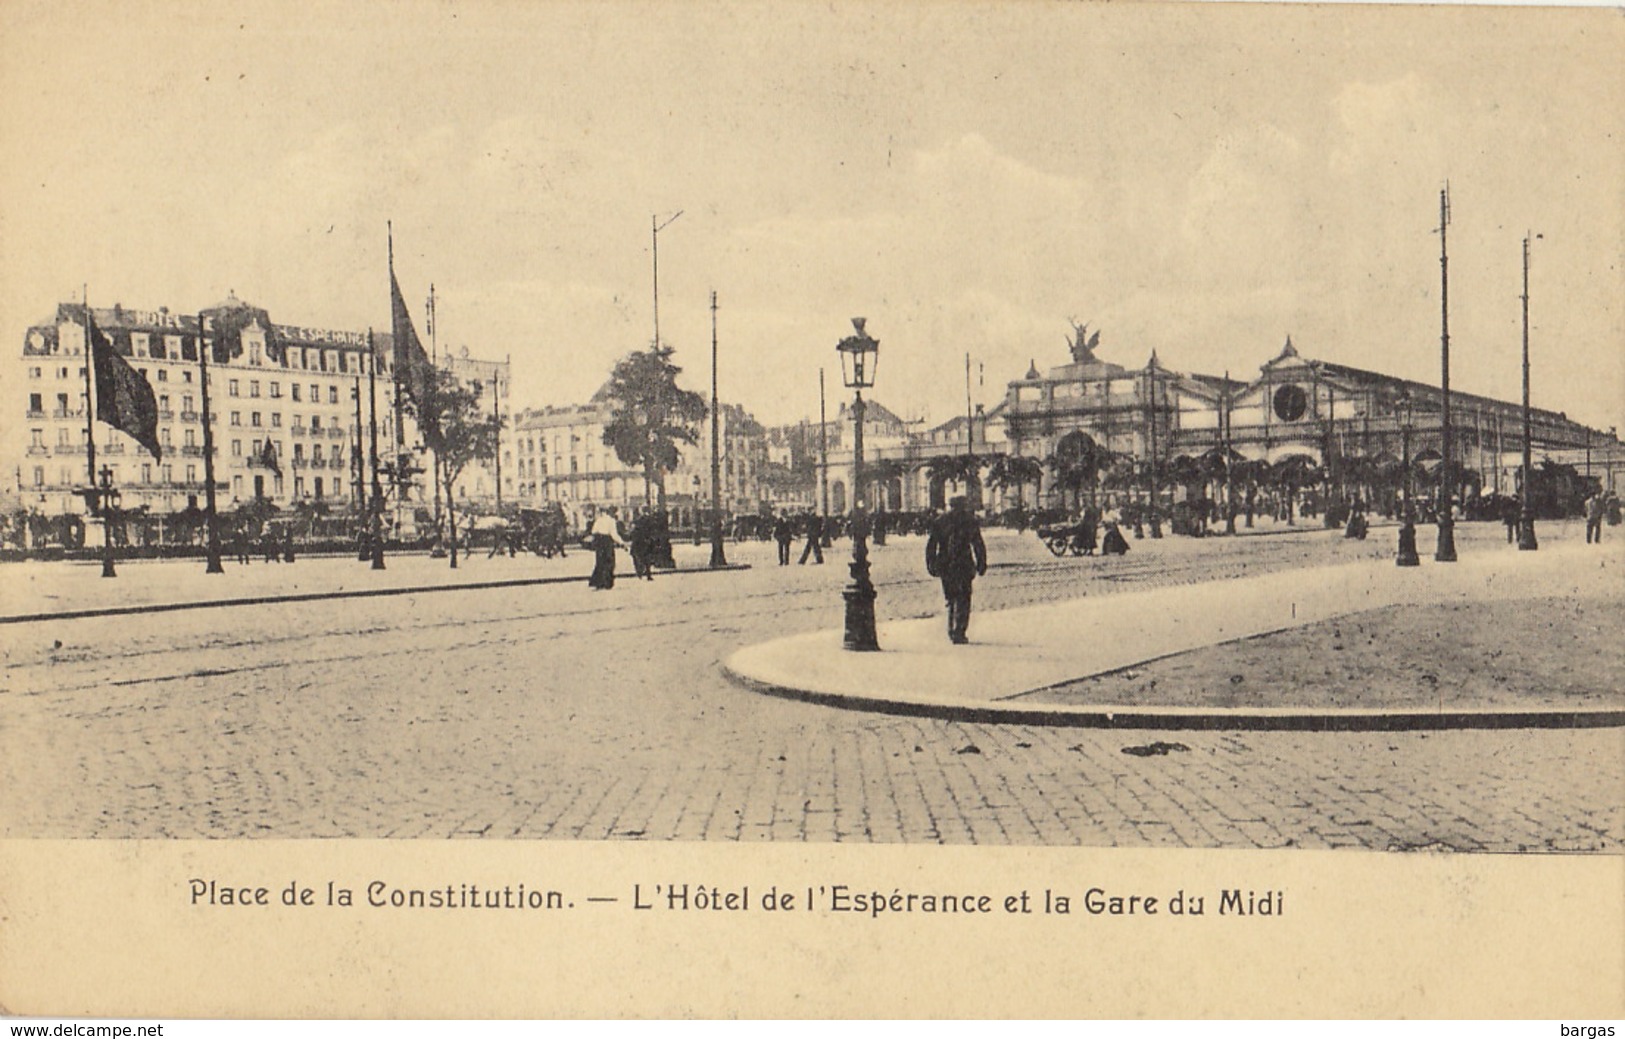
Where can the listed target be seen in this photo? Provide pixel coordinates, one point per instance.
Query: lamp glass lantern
(860, 355)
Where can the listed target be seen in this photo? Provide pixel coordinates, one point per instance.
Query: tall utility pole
(1446, 550)
(1326, 467)
(434, 372)
(358, 471)
(375, 521)
(1526, 509)
(717, 558)
(970, 438)
(496, 413)
(90, 407)
(970, 444)
(213, 565)
(1229, 464)
(656, 225)
(823, 458)
(1151, 433)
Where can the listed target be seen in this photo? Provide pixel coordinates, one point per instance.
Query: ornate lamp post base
(1407, 546)
(860, 605)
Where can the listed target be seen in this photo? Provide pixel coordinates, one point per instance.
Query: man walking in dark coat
(644, 544)
(955, 553)
(784, 532)
(815, 535)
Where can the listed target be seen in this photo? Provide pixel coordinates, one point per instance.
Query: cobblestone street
(554, 711)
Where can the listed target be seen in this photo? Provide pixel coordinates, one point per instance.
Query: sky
(1199, 180)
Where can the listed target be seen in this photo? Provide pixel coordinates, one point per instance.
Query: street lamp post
(859, 355)
(1526, 509)
(1407, 527)
(109, 501)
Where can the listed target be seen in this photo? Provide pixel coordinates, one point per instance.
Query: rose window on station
(1291, 403)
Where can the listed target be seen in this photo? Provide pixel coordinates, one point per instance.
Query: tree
(1252, 473)
(1077, 463)
(1007, 471)
(879, 474)
(1218, 468)
(466, 432)
(964, 470)
(650, 416)
(1291, 474)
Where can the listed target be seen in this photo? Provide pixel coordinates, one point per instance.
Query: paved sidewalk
(1020, 651)
(35, 590)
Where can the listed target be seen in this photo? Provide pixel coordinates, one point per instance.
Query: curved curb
(1211, 719)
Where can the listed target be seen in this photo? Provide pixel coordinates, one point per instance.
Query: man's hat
(957, 500)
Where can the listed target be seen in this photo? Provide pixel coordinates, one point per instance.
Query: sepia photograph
(582, 439)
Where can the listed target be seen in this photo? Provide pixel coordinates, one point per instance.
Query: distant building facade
(304, 391)
(561, 458)
(1156, 421)
(480, 481)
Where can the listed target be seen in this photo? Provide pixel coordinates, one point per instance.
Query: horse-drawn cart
(1075, 538)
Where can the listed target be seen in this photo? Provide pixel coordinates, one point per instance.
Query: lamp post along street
(1407, 527)
(1526, 509)
(859, 353)
(109, 502)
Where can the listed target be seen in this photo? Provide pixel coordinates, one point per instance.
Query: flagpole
(395, 383)
(211, 519)
(100, 497)
(377, 510)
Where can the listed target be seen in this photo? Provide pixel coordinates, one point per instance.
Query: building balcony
(166, 414)
(63, 413)
(191, 416)
(299, 462)
(193, 450)
(112, 449)
(335, 433)
(318, 463)
(298, 431)
(38, 449)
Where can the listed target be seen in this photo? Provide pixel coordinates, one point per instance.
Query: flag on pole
(414, 372)
(268, 457)
(124, 398)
